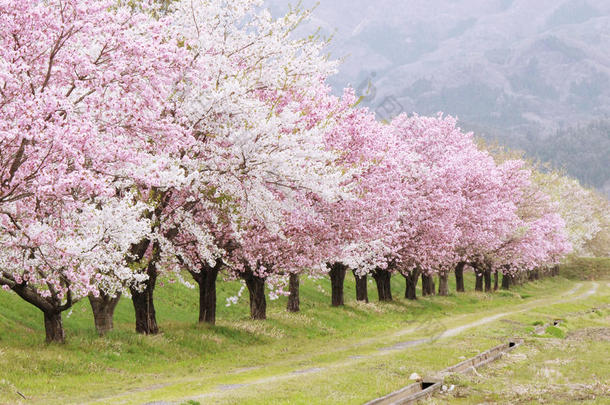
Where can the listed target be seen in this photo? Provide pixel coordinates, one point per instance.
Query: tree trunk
(293, 298)
(496, 280)
(256, 288)
(51, 308)
(54, 327)
(506, 281)
(534, 274)
(478, 286)
(424, 285)
(427, 284)
(443, 283)
(206, 279)
(518, 279)
(362, 293)
(103, 311)
(459, 277)
(337, 277)
(411, 284)
(146, 319)
(555, 271)
(487, 277)
(382, 279)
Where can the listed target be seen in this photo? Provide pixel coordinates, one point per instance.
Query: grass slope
(187, 359)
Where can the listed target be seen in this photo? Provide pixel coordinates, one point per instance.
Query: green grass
(566, 366)
(191, 362)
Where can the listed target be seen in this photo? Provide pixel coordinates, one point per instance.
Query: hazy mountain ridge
(513, 69)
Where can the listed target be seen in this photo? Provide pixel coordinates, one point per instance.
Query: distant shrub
(586, 268)
(554, 331)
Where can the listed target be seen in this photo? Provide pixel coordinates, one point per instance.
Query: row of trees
(146, 141)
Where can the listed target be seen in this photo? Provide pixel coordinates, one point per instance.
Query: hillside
(513, 70)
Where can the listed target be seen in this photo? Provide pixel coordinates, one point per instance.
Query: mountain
(520, 71)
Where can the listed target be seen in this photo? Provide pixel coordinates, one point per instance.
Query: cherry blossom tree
(255, 150)
(83, 86)
(487, 216)
(576, 205)
(537, 238)
(430, 232)
(357, 224)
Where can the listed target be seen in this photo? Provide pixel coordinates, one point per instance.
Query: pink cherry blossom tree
(363, 227)
(255, 152)
(83, 89)
(536, 238)
(436, 201)
(487, 214)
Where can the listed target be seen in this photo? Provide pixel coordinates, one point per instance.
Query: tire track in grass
(457, 330)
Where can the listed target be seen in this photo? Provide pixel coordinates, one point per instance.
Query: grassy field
(321, 355)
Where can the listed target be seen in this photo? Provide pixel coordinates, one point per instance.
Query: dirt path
(457, 330)
(221, 390)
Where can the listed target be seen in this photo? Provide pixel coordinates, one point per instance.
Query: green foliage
(586, 268)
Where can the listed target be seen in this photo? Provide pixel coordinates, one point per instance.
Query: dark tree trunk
(103, 311)
(54, 328)
(362, 293)
(142, 298)
(256, 288)
(443, 283)
(496, 280)
(382, 279)
(517, 279)
(424, 285)
(534, 275)
(487, 277)
(555, 271)
(293, 298)
(459, 277)
(206, 279)
(51, 308)
(411, 284)
(506, 281)
(427, 284)
(337, 277)
(143, 304)
(478, 285)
